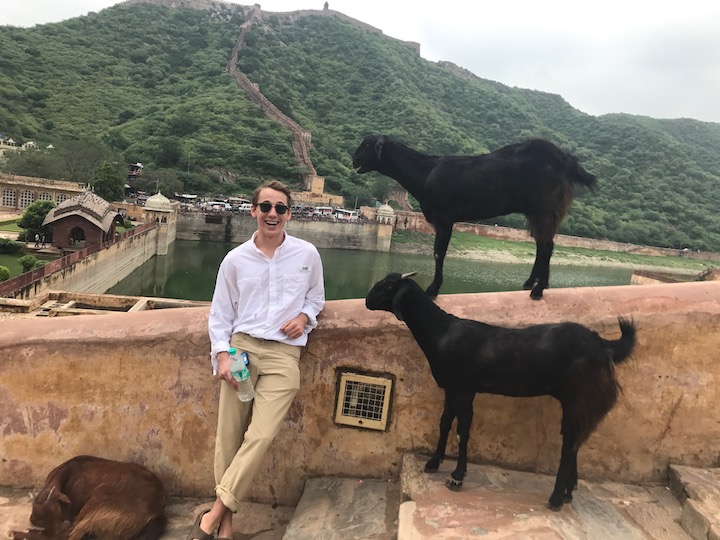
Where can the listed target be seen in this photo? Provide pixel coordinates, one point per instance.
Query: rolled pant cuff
(227, 498)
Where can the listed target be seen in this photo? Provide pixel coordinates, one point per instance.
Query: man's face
(270, 223)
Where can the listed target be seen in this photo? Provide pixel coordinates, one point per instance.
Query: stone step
(498, 503)
(345, 509)
(698, 490)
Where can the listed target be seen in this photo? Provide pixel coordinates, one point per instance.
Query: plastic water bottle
(240, 372)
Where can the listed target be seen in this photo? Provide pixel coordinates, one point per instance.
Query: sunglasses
(280, 208)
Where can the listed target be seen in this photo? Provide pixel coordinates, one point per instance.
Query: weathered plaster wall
(235, 229)
(138, 386)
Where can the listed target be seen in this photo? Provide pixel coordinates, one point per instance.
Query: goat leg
(442, 239)
(464, 416)
(532, 280)
(446, 421)
(564, 482)
(573, 480)
(540, 274)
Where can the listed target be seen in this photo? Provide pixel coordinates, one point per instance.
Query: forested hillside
(148, 83)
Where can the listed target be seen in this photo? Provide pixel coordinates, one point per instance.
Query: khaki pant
(245, 430)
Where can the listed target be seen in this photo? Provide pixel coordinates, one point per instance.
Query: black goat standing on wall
(567, 361)
(534, 178)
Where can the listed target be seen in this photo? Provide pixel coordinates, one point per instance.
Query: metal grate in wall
(363, 401)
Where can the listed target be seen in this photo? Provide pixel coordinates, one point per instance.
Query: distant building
(317, 196)
(19, 192)
(81, 221)
(163, 212)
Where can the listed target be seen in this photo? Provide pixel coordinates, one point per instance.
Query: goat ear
(62, 498)
(378, 146)
(396, 307)
(396, 302)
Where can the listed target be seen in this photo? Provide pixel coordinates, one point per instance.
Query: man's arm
(222, 310)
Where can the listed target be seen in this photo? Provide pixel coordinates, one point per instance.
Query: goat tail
(578, 175)
(621, 349)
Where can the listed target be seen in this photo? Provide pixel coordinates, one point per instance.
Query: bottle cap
(232, 350)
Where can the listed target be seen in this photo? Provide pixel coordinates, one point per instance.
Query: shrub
(4, 273)
(28, 262)
(10, 247)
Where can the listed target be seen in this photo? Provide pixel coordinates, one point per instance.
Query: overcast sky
(655, 58)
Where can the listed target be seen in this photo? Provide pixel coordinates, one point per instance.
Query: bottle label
(239, 370)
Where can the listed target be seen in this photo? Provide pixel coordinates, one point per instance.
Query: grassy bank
(12, 264)
(468, 245)
(10, 226)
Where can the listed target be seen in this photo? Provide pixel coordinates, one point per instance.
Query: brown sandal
(197, 532)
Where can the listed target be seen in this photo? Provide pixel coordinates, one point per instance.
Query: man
(268, 294)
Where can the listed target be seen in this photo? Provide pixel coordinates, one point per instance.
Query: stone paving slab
(497, 503)
(253, 521)
(346, 509)
(699, 492)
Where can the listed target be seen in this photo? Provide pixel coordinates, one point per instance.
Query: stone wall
(235, 229)
(100, 270)
(138, 386)
(415, 221)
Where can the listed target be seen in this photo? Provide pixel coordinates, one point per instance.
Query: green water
(188, 272)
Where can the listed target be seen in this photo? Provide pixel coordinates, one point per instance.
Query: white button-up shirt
(256, 294)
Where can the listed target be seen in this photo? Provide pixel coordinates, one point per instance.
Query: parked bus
(345, 215)
(323, 212)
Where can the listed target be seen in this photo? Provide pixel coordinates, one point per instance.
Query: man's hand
(295, 328)
(223, 359)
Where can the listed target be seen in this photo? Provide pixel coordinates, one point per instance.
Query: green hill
(147, 83)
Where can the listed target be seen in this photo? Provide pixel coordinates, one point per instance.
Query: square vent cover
(363, 401)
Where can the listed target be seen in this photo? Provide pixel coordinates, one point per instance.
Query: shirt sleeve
(315, 296)
(222, 311)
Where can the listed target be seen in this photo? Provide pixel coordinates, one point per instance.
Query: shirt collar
(278, 249)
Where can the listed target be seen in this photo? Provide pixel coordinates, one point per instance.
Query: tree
(168, 152)
(33, 217)
(109, 182)
(35, 163)
(83, 158)
(4, 273)
(163, 180)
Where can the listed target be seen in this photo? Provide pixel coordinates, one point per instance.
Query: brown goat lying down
(97, 498)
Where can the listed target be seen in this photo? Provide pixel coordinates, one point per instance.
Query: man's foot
(197, 532)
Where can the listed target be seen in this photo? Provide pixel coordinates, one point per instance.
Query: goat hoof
(536, 295)
(555, 506)
(453, 485)
(567, 498)
(431, 468)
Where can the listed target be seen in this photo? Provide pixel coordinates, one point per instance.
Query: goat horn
(409, 274)
(47, 498)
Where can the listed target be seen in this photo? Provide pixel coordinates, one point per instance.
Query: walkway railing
(10, 287)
